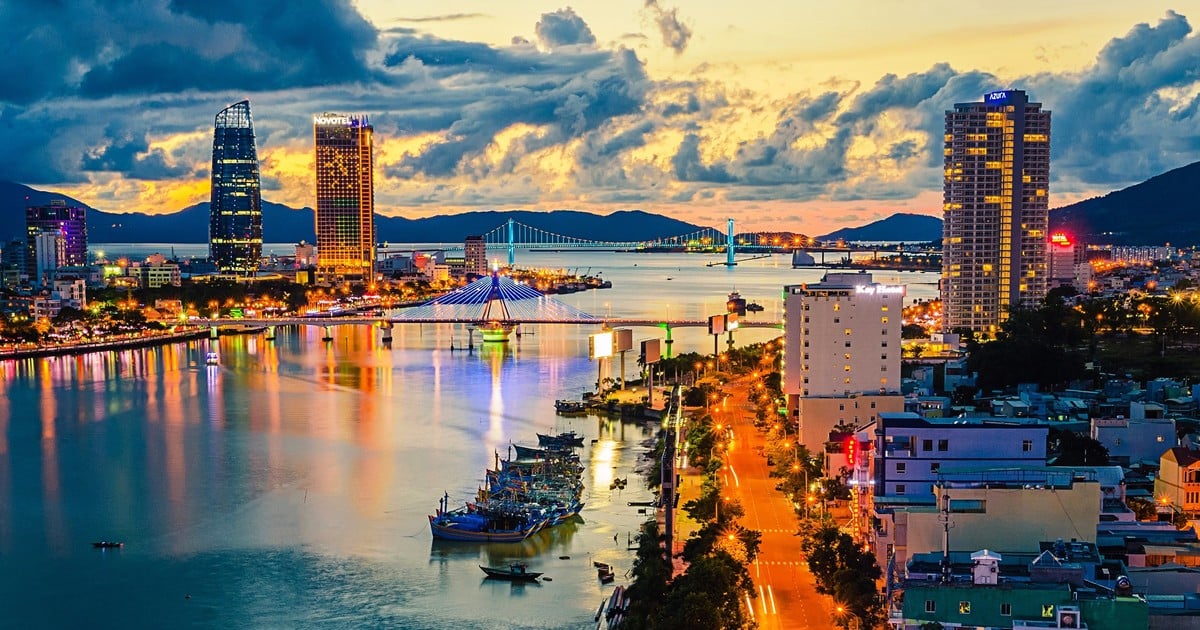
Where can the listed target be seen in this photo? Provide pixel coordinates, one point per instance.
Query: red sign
(851, 450)
(1061, 239)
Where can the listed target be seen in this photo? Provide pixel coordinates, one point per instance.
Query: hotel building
(345, 198)
(235, 213)
(841, 362)
(994, 235)
(69, 222)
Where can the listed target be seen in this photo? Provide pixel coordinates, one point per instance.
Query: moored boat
(108, 544)
(498, 521)
(570, 406)
(516, 572)
(212, 358)
(569, 438)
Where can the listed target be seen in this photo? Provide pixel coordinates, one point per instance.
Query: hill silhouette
(1159, 210)
(910, 228)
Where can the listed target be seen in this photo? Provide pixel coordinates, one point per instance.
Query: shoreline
(100, 346)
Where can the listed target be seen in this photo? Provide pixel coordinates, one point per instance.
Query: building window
(841, 406)
(964, 608)
(847, 343)
(837, 320)
(899, 488)
(883, 309)
(884, 320)
(1027, 446)
(837, 307)
(1160, 438)
(934, 466)
(883, 368)
(901, 467)
(1006, 610)
(926, 445)
(930, 606)
(848, 331)
(943, 445)
(883, 357)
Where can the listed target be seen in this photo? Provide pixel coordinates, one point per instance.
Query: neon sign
(992, 98)
(879, 289)
(329, 119)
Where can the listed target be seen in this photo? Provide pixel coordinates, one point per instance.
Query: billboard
(600, 345)
(651, 352)
(731, 321)
(716, 324)
(623, 339)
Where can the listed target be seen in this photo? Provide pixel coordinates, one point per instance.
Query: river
(289, 486)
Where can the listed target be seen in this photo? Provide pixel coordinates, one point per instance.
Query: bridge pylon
(729, 261)
(512, 245)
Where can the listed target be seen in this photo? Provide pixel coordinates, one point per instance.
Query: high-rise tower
(235, 215)
(345, 198)
(997, 175)
(69, 221)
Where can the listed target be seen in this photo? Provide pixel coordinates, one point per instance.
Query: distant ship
(212, 358)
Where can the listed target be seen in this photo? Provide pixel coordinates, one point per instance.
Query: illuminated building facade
(345, 198)
(995, 200)
(69, 222)
(235, 213)
(841, 360)
(475, 256)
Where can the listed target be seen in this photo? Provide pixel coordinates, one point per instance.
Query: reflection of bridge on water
(495, 306)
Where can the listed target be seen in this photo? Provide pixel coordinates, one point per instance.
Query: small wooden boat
(212, 358)
(108, 544)
(516, 572)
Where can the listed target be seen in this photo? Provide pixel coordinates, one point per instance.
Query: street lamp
(842, 610)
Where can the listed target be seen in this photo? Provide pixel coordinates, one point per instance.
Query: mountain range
(1158, 210)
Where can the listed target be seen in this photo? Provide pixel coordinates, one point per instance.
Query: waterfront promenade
(131, 340)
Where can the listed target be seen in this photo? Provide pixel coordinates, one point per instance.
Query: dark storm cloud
(101, 49)
(131, 154)
(563, 28)
(675, 34)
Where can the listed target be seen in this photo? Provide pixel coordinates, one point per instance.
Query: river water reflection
(289, 486)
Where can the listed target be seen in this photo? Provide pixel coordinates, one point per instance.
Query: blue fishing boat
(489, 521)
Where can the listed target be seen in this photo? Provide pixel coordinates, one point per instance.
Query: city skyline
(779, 116)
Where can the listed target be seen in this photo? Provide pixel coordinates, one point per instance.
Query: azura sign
(331, 120)
(993, 98)
(879, 289)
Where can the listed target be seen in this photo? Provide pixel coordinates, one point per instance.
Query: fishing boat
(212, 358)
(516, 572)
(496, 332)
(533, 452)
(108, 544)
(486, 521)
(567, 407)
(570, 438)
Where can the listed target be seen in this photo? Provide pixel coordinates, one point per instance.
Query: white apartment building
(841, 359)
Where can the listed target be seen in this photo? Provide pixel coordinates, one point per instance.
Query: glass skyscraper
(996, 205)
(235, 215)
(345, 198)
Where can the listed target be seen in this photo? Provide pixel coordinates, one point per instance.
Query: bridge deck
(375, 321)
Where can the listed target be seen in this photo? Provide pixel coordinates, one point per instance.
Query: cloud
(675, 34)
(450, 17)
(559, 122)
(131, 155)
(563, 28)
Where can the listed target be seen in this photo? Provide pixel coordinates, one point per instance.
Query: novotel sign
(879, 289)
(331, 120)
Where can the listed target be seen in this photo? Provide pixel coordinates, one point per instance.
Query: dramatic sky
(805, 116)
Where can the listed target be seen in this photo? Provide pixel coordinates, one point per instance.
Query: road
(787, 596)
